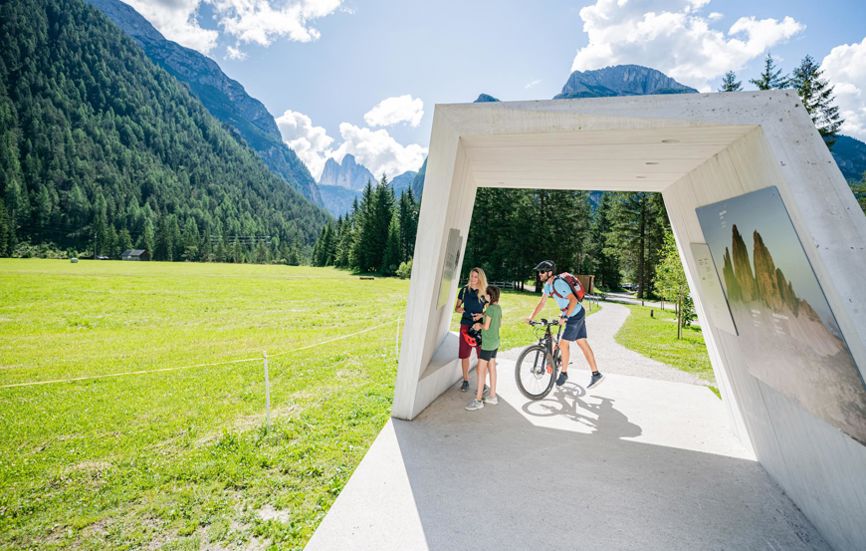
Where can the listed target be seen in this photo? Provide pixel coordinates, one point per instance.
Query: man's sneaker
(492, 401)
(475, 405)
(563, 376)
(595, 380)
(464, 386)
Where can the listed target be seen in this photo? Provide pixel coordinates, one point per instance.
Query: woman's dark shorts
(487, 355)
(575, 328)
(466, 350)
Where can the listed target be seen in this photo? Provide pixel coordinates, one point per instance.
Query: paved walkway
(638, 463)
(611, 356)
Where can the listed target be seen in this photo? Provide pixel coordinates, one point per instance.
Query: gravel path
(611, 356)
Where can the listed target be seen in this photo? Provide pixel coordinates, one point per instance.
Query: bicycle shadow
(595, 412)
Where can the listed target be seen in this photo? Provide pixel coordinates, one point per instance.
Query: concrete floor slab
(634, 464)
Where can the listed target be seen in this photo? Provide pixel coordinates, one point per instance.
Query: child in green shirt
(489, 345)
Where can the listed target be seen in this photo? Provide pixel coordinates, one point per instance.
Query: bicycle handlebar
(544, 323)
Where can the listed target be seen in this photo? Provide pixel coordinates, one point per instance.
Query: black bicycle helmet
(545, 266)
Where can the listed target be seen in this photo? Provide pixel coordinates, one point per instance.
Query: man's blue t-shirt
(472, 304)
(562, 298)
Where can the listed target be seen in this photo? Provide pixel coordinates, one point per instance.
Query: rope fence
(212, 364)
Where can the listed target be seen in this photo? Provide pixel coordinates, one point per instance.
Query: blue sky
(322, 66)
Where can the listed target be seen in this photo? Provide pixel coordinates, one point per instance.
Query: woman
(470, 302)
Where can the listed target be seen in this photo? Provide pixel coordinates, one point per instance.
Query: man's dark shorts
(487, 355)
(465, 349)
(575, 327)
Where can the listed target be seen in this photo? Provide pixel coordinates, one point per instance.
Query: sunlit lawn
(180, 457)
(656, 338)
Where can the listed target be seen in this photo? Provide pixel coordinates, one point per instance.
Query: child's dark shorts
(487, 355)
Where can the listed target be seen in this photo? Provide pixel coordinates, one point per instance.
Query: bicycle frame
(551, 342)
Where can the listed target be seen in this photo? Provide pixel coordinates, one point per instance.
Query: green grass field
(656, 338)
(178, 458)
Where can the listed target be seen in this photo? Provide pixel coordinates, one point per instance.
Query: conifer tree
(637, 232)
(817, 96)
(408, 224)
(730, 83)
(6, 235)
(605, 264)
(383, 212)
(147, 241)
(771, 77)
(391, 257)
(190, 240)
(364, 252)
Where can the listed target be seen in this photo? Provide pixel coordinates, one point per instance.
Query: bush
(405, 270)
(43, 250)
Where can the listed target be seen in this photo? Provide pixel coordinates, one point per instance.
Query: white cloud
(845, 68)
(375, 149)
(378, 151)
(532, 84)
(395, 110)
(248, 21)
(177, 20)
(235, 53)
(311, 143)
(260, 21)
(672, 36)
(715, 16)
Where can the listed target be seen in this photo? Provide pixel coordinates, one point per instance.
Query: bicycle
(538, 366)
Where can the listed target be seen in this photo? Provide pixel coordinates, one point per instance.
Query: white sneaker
(475, 405)
(492, 401)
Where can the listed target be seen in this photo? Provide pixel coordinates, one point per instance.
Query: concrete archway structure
(696, 150)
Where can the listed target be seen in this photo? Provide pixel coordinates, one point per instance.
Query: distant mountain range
(338, 200)
(850, 155)
(342, 183)
(403, 182)
(225, 98)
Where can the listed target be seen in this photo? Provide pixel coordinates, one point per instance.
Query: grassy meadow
(656, 337)
(178, 457)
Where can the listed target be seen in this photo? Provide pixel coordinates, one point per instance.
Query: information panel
(712, 297)
(449, 268)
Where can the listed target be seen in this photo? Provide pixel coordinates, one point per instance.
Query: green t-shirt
(490, 337)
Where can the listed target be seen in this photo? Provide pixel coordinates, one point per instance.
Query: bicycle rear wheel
(533, 374)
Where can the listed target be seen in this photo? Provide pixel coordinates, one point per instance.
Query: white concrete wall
(822, 469)
(448, 200)
(728, 144)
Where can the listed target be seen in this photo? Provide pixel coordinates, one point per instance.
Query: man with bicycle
(573, 316)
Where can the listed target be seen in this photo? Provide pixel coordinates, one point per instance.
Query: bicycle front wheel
(534, 372)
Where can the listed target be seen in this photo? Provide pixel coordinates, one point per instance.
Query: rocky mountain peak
(620, 80)
(347, 174)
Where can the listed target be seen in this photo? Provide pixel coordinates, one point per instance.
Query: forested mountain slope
(100, 150)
